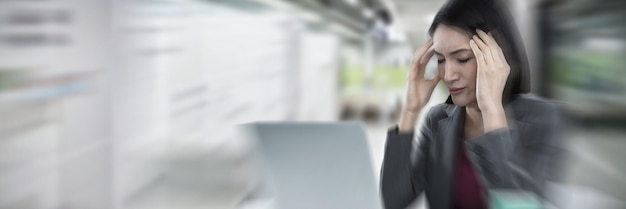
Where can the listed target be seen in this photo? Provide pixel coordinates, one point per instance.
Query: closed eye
(464, 60)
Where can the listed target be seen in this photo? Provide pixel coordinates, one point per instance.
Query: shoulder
(535, 108)
(531, 102)
(439, 111)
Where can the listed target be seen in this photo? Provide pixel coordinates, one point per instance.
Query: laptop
(317, 165)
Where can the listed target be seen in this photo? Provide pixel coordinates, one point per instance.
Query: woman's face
(456, 63)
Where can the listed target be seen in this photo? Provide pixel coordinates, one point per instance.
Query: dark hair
(490, 16)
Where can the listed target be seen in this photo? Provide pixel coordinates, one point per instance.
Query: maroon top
(467, 191)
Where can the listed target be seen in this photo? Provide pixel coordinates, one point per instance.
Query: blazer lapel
(448, 138)
(515, 114)
(449, 132)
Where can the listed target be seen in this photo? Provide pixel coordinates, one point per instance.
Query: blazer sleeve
(403, 168)
(509, 158)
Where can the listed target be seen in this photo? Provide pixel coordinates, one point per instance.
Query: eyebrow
(454, 52)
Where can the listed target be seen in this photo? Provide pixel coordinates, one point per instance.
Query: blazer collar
(514, 111)
(450, 131)
(450, 110)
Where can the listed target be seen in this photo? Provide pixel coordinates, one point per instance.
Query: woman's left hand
(491, 76)
(492, 72)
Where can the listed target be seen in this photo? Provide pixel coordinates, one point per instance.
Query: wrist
(411, 111)
(490, 109)
(408, 119)
(494, 118)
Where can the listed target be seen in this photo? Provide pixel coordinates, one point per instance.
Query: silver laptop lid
(318, 165)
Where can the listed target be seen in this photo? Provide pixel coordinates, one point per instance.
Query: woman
(488, 135)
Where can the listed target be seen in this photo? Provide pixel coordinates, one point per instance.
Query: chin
(460, 101)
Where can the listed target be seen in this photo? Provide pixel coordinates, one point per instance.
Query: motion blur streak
(134, 103)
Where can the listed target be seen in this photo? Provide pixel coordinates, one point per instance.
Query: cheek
(470, 73)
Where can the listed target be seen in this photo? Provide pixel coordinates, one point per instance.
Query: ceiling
(413, 17)
(409, 17)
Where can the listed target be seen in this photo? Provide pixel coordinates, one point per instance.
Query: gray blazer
(519, 157)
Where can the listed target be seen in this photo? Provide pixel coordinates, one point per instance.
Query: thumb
(434, 81)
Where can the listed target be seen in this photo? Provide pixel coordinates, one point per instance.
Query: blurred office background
(134, 103)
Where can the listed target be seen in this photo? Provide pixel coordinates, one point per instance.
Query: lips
(455, 91)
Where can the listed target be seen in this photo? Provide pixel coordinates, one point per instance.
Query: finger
(496, 51)
(500, 53)
(426, 57)
(434, 80)
(486, 51)
(477, 53)
(486, 38)
(413, 71)
(416, 59)
(419, 53)
(491, 43)
(424, 61)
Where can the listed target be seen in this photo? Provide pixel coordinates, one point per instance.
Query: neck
(473, 116)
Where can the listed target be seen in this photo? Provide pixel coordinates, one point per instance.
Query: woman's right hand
(419, 89)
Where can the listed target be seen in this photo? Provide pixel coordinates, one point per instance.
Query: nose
(450, 74)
